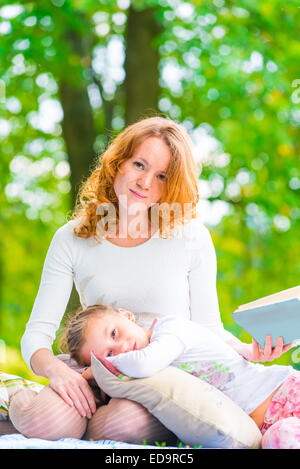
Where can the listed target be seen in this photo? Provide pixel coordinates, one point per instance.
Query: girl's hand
(74, 389)
(88, 374)
(255, 353)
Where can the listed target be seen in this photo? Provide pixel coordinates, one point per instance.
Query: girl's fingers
(88, 374)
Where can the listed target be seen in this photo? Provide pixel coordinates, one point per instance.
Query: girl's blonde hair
(74, 334)
(181, 182)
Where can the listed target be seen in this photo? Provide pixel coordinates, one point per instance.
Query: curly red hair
(181, 182)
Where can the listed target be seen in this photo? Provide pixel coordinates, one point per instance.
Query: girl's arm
(146, 362)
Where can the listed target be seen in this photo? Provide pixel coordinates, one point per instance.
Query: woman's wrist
(44, 363)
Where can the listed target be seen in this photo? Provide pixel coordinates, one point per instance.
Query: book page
(274, 298)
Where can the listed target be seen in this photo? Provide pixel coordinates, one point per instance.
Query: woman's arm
(52, 297)
(48, 309)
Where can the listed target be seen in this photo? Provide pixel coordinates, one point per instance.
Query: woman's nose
(145, 181)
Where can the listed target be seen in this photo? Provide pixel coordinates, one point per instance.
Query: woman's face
(143, 177)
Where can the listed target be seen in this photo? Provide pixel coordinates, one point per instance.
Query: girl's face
(142, 178)
(112, 334)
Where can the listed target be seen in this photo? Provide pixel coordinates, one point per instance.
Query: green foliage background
(237, 66)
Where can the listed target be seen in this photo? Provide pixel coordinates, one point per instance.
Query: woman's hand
(74, 389)
(253, 352)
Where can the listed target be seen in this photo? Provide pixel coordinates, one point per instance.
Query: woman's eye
(162, 177)
(114, 333)
(109, 354)
(138, 164)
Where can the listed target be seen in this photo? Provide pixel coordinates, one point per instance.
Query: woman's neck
(131, 237)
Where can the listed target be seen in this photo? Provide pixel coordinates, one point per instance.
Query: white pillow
(196, 412)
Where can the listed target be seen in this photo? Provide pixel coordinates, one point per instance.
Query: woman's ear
(126, 314)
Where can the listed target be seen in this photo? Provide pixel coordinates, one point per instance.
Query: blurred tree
(141, 84)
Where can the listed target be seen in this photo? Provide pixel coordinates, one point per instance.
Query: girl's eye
(109, 354)
(114, 333)
(162, 177)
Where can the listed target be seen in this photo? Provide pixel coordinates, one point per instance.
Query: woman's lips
(134, 347)
(139, 196)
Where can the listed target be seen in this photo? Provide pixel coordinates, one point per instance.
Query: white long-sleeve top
(197, 350)
(177, 274)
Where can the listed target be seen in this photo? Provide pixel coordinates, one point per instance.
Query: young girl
(267, 394)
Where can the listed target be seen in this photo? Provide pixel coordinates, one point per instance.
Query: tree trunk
(78, 130)
(141, 65)
(77, 124)
(79, 137)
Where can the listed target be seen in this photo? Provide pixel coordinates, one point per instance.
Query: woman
(123, 239)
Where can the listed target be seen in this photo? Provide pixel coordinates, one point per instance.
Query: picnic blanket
(18, 441)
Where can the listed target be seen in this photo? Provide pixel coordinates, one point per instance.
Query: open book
(277, 314)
